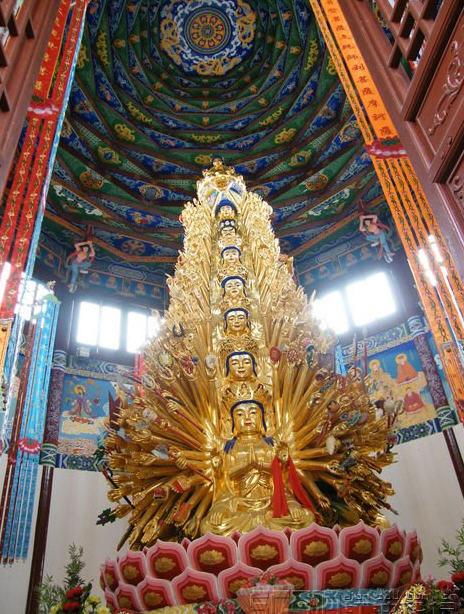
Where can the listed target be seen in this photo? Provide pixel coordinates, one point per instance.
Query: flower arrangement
(265, 594)
(265, 578)
(452, 556)
(74, 597)
(441, 597)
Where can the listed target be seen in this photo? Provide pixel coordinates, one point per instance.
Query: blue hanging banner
(26, 418)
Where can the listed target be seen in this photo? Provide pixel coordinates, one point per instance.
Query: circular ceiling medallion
(208, 30)
(207, 37)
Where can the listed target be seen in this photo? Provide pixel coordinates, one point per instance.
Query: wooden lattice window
(15, 24)
(408, 25)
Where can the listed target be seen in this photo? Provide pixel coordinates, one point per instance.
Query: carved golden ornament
(342, 579)
(298, 583)
(313, 55)
(108, 155)
(379, 578)
(203, 159)
(66, 130)
(236, 584)
(415, 552)
(316, 182)
(153, 598)
(206, 138)
(150, 191)
(330, 68)
(82, 57)
(405, 578)
(362, 546)
(302, 157)
(264, 552)
(101, 45)
(124, 132)
(110, 580)
(316, 549)
(125, 602)
(411, 599)
(395, 548)
(130, 572)
(137, 113)
(272, 118)
(91, 180)
(212, 557)
(164, 564)
(285, 136)
(119, 42)
(193, 592)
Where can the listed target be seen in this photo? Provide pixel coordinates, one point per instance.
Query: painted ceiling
(162, 87)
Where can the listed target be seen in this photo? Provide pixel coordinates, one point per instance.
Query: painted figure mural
(79, 262)
(396, 375)
(377, 234)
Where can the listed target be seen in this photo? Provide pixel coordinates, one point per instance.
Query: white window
(30, 296)
(4, 278)
(98, 325)
(330, 310)
(370, 299)
(358, 303)
(110, 327)
(140, 328)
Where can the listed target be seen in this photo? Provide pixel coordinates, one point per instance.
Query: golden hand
(297, 513)
(282, 452)
(324, 502)
(216, 461)
(178, 457)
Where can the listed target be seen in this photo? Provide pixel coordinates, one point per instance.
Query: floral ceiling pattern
(162, 87)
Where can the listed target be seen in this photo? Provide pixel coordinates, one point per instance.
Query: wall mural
(85, 411)
(397, 374)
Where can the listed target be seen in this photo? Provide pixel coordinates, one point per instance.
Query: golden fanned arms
(240, 419)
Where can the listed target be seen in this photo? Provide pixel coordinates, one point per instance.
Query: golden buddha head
(247, 418)
(228, 235)
(233, 287)
(236, 321)
(241, 366)
(230, 255)
(225, 210)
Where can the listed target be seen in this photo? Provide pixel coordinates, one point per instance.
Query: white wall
(77, 499)
(427, 498)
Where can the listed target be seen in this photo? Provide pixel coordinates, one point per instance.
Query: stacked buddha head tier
(239, 422)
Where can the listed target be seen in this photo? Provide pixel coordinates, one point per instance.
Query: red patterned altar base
(212, 567)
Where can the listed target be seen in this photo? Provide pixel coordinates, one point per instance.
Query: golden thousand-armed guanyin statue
(240, 419)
